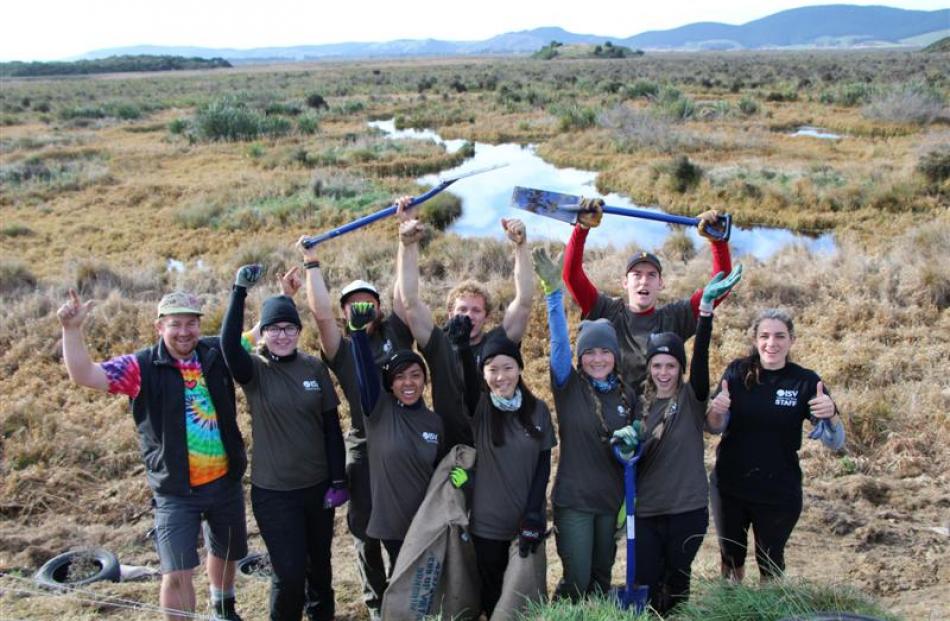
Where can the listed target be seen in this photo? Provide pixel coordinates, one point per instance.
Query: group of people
(622, 384)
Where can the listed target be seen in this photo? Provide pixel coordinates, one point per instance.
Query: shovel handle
(615, 445)
(720, 232)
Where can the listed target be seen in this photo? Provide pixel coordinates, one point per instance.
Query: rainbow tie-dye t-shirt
(207, 460)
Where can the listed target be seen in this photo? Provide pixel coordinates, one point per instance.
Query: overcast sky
(59, 29)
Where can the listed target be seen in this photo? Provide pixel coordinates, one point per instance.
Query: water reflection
(486, 199)
(815, 132)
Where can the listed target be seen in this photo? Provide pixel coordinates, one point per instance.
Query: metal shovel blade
(563, 207)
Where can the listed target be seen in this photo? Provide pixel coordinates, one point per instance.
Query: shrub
(633, 129)
(316, 101)
(275, 126)
(850, 94)
(684, 174)
(282, 108)
(227, 119)
(337, 184)
(178, 126)
(643, 88)
(308, 124)
(748, 106)
(441, 210)
(573, 116)
(908, 103)
(935, 165)
(15, 229)
(14, 277)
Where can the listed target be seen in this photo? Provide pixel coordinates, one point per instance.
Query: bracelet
(309, 265)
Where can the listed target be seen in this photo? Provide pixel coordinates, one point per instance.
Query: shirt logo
(621, 411)
(387, 346)
(311, 385)
(430, 437)
(786, 397)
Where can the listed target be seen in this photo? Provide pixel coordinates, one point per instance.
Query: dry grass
(872, 318)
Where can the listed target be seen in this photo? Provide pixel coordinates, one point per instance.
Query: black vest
(159, 413)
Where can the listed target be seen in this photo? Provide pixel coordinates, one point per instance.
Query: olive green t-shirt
(671, 475)
(589, 478)
(287, 401)
(634, 330)
(403, 447)
(503, 474)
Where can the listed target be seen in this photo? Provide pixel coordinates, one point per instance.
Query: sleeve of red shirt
(579, 286)
(124, 375)
(721, 262)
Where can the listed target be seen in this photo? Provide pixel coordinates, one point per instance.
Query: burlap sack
(436, 571)
(525, 582)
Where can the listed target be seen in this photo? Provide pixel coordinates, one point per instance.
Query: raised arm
(515, 321)
(235, 356)
(580, 287)
(418, 315)
(721, 259)
(367, 373)
(549, 275)
(318, 299)
(79, 365)
(719, 286)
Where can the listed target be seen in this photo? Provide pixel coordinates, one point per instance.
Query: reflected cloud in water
(486, 199)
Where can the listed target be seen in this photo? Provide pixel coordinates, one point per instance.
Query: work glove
(719, 286)
(361, 315)
(622, 514)
(460, 331)
(549, 272)
(708, 219)
(591, 213)
(531, 534)
(459, 477)
(336, 495)
(629, 438)
(248, 275)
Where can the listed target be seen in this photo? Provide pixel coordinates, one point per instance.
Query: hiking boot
(224, 610)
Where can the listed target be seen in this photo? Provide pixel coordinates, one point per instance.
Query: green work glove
(622, 514)
(719, 286)
(629, 439)
(248, 275)
(361, 315)
(459, 477)
(549, 272)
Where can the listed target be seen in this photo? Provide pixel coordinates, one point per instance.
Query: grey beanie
(598, 333)
(279, 308)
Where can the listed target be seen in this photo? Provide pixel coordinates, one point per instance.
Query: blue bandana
(507, 405)
(605, 385)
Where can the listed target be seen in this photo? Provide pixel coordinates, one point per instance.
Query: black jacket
(159, 413)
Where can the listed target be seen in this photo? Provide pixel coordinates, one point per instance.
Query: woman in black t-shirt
(764, 399)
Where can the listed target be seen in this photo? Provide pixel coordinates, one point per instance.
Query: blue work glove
(719, 286)
(361, 315)
(248, 275)
(531, 534)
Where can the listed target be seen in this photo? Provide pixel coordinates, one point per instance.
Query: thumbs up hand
(821, 405)
(720, 405)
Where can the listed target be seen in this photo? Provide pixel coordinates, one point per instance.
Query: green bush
(228, 119)
(748, 106)
(15, 229)
(275, 126)
(574, 116)
(935, 165)
(441, 210)
(178, 126)
(316, 101)
(684, 174)
(643, 88)
(308, 124)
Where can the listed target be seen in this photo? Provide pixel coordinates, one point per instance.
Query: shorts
(218, 506)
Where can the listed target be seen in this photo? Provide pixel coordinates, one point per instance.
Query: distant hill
(839, 26)
(111, 64)
(943, 45)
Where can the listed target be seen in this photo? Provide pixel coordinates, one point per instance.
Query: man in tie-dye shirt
(182, 401)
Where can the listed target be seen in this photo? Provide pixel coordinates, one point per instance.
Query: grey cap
(598, 333)
(179, 303)
(355, 287)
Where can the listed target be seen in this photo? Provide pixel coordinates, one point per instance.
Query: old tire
(54, 574)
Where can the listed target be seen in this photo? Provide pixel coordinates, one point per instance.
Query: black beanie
(277, 309)
(667, 343)
(399, 360)
(598, 333)
(497, 344)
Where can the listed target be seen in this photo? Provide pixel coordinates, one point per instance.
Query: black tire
(54, 574)
(256, 565)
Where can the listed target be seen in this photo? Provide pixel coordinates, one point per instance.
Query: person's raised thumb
(725, 388)
(821, 389)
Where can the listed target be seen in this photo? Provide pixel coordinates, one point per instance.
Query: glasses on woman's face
(274, 330)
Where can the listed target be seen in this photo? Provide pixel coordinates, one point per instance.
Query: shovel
(566, 207)
(631, 595)
(359, 223)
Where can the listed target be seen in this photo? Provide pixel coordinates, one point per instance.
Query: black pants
(369, 551)
(491, 557)
(393, 546)
(297, 531)
(772, 525)
(666, 547)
